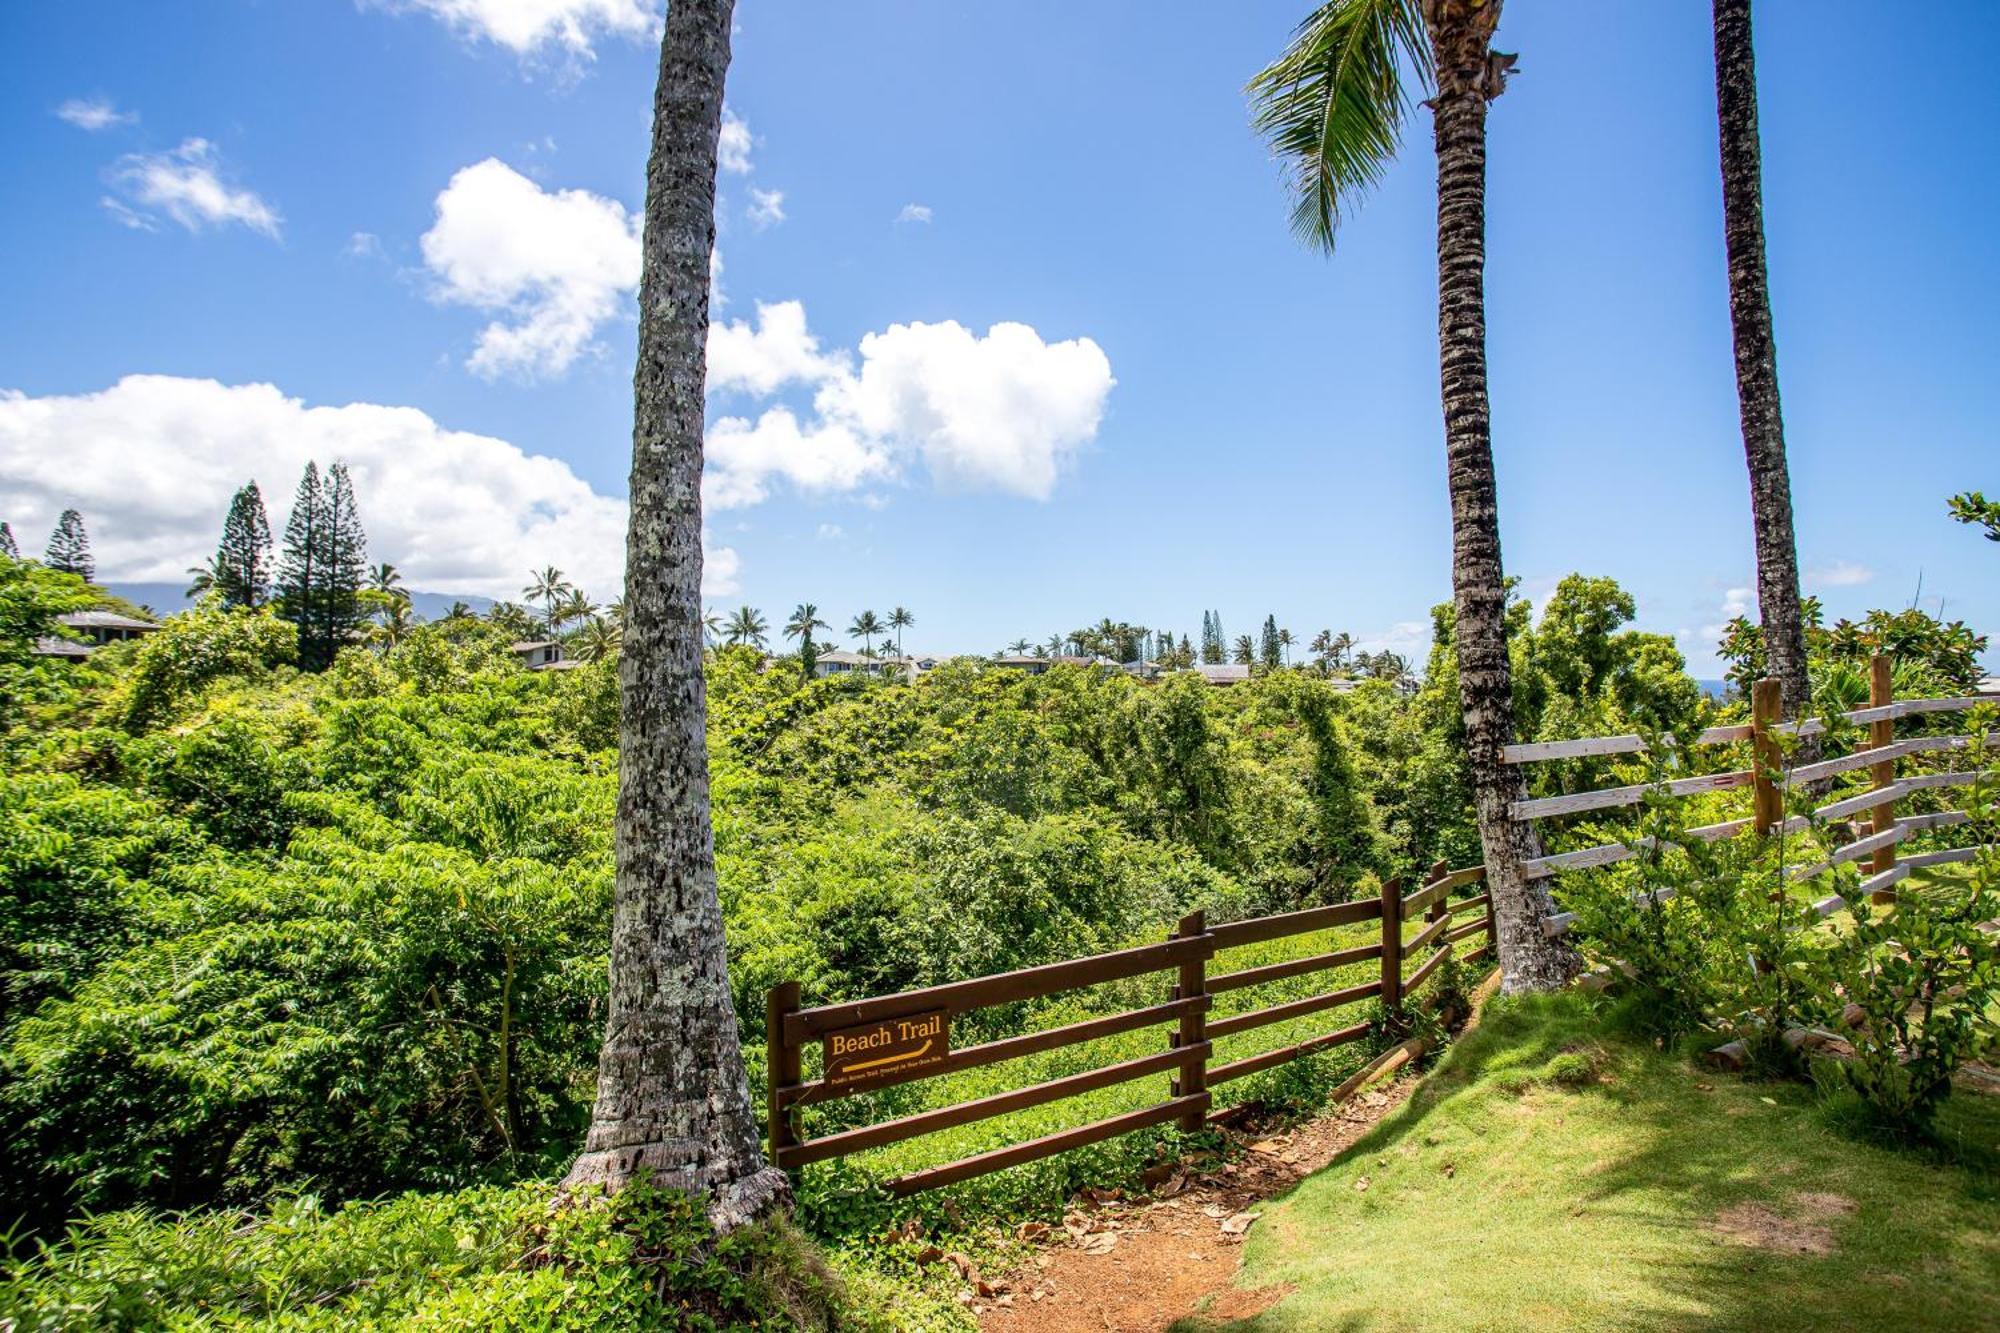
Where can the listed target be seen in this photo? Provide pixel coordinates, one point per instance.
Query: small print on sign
(891, 1046)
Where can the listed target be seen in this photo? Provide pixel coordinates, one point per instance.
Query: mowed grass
(1552, 1176)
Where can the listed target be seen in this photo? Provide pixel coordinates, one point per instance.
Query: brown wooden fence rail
(911, 1030)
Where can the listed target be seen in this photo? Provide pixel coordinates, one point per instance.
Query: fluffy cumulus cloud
(529, 26)
(94, 114)
(1735, 602)
(1005, 411)
(152, 460)
(189, 185)
(914, 213)
(552, 266)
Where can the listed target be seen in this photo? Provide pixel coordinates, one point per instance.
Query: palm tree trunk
(1469, 75)
(1757, 355)
(673, 1105)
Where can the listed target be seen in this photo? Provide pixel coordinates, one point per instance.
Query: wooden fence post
(1882, 692)
(1194, 1023)
(1392, 948)
(783, 1067)
(1766, 710)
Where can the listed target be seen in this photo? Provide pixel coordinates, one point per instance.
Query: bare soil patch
(1802, 1231)
(1135, 1264)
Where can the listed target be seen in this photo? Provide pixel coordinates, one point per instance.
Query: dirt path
(1136, 1264)
(1123, 1265)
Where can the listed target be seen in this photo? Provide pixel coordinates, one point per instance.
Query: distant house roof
(104, 620)
(1222, 673)
(841, 655)
(61, 648)
(529, 645)
(566, 664)
(1020, 659)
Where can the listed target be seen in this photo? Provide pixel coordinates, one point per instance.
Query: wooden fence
(1770, 779)
(912, 1030)
(906, 1036)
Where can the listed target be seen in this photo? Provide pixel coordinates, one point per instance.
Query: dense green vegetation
(1557, 1174)
(273, 941)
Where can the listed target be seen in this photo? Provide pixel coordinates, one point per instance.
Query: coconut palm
(393, 619)
(575, 608)
(805, 619)
(1332, 107)
(1763, 422)
(673, 1104)
(1020, 647)
(1285, 642)
(203, 578)
(548, 587)
(385, 578)
(598, 639)
(711, 624)
(747, 625)
(900, 620)
(1246, 650)
(865, 627)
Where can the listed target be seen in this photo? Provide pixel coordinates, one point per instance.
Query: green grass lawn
(1551, 1176)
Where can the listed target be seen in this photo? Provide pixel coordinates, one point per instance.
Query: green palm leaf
(1332, 106)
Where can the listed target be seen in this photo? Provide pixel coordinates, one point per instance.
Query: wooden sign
(872, 1050)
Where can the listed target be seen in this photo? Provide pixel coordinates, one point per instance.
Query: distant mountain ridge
(167, 598)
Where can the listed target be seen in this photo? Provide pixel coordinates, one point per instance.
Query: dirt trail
(1124, 1264)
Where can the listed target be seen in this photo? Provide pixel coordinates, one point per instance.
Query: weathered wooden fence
(1770, 780)
(906, 1037)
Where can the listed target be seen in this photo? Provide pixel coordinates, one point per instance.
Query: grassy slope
(1592, 1206)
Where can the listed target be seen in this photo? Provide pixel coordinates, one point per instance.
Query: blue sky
(413, 222)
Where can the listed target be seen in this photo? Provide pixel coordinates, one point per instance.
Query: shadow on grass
(1716, 1203)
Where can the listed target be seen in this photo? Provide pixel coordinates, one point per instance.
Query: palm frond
(1332, 106)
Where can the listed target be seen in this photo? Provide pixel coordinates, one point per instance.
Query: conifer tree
(242, 567)
(345, 561)
(1212, 642)
(300, 577)
(1268, 646)
(8, 546)
(69, 547)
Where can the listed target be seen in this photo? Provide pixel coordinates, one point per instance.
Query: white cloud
(827, 457)
(766, 208)
(556, 266)
(1004, 412)
(780, 350)
(1840, 574)
(152, 460)
(526, 26)
(1735, 602)
(831, 532)
(1411, 638)
(126, 217)
(364, 245)
(732, 148)
(914, 213)
(187, 185)
(94, 114)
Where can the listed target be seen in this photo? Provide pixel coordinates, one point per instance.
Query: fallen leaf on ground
(1361, 1184)
(1240, 1223)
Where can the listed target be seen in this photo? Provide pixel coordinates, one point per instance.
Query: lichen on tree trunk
(673, 1104)
(1469, 75)
(1756, 348)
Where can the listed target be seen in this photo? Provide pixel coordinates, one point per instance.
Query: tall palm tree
(1763, 420)
(805, 619)
(458, 611)
(673, 1104)
(598, 639)
(900, 620)
(547, 587)
(1333, 106)
(865, 627)
(385, 578)
(747, 625)
(711, 624)
(1019, 647)
(393, 621)
(1285, 642)
(576, 607)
